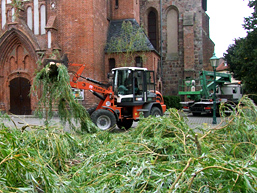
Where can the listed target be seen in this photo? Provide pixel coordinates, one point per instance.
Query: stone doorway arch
(20, 102)
(18, 57)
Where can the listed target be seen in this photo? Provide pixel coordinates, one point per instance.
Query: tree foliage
(251, 21)
(130, 40)
(242, 55)
(52, 87)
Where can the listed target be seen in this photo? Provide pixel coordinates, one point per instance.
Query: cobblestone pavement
(206, 120)
(20, 121)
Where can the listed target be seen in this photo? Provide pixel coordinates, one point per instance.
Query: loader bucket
(53, 64)
(64, 60)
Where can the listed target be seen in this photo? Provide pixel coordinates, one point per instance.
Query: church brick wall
(79, 29)
(194, 45)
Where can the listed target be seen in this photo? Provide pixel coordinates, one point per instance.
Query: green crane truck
(198, 92)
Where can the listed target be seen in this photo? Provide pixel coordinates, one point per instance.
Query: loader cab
(133, 86)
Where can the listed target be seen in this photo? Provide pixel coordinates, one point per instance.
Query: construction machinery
(199, 92)
(130, 93)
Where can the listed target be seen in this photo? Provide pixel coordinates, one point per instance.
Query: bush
(172, 102)
(253, 97)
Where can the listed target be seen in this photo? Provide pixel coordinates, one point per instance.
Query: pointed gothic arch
(172, 15)
(13, 37)
(18, 63)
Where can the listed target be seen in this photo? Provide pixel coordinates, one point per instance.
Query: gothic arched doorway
(20, 103)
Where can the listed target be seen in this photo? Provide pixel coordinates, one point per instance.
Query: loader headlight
(108, 103)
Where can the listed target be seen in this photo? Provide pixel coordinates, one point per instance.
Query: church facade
(177, 37)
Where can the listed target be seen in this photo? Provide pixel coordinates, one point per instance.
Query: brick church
(176, 34)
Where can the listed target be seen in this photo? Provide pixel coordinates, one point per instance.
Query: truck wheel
(156, 112)
(103, 119)
(126, 123)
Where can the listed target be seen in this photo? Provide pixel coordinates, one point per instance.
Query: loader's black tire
(91, 110)
(126, 124)
(103, 119)
(156, 112)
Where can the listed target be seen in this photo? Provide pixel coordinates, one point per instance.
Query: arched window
(3, 6)
(111, 64)
(29, 17)
(152, 28)
(172, 32)
(116, 4)
(109, 9)
(49, 39)
(13, 15)
(43, 19)
(9, 15)
(36, 18)
(139, 61)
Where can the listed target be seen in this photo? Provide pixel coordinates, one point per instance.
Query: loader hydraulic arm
(88, 86)
(79, 72)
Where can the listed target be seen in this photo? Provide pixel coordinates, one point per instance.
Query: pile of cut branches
(161, 154)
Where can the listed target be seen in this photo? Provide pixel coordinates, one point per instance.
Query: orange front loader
(131, 92)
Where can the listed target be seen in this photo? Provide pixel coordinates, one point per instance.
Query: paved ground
(20, 121)
(194, 121)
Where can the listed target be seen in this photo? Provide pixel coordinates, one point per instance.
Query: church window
(109, 9)
(29, 17)
(111, 64)
(139, 61)
(43, 19)
(116, 4)
(172, 32)
(3, 6)
(152, 28)
(13, 14)
(49, 39)
(204, 5)
(36, 18)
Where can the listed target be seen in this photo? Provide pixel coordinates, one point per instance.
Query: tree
(126, 39)
(250, 22)
(242, 55)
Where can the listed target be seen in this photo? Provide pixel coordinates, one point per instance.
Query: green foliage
(18, 5)
(241, 56)
(162, 154)
(130, 40)
(52, 86)
(31, 161)
(253, 97)
(251, 21)
(172, 102)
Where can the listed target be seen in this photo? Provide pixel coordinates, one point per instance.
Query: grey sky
(226, 19)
